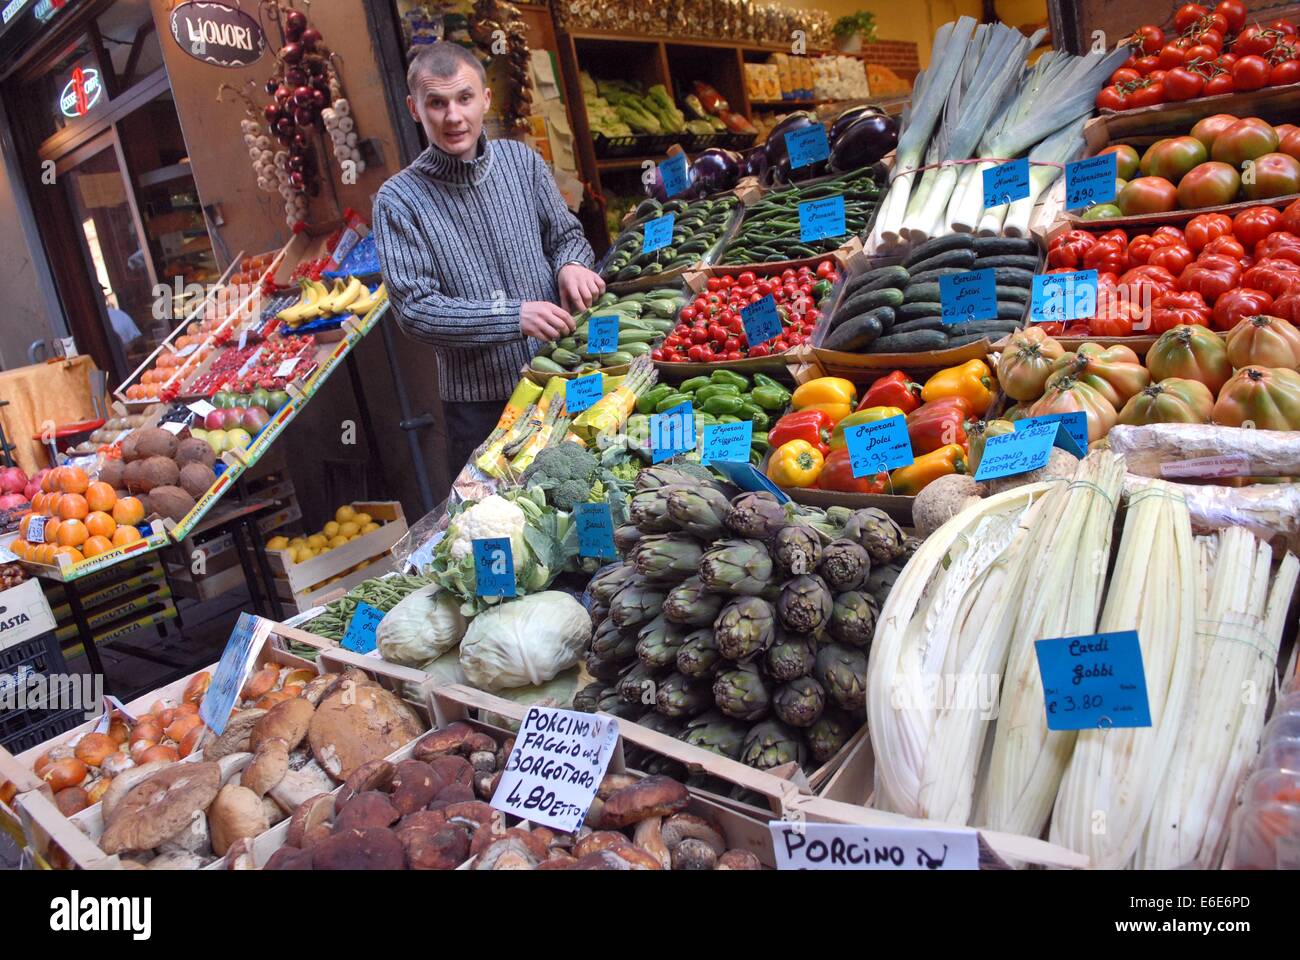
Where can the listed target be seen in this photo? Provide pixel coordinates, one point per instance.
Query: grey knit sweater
(463, 245)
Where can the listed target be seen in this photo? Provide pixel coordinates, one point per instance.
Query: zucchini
(635, 349)
(546, 365)
(615, 359)
(919, 309)
(922, 293)
(856, 334)
(918, 342)
(1018, 260)
(878, 279)
(932, 276)
(932, 248)
(964, 259)
(925, 323)
(1005, 246)
(1013, 277)
(862, 302)
(565, 358)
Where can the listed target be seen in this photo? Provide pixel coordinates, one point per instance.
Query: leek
(1111, 783)
(1044, 170)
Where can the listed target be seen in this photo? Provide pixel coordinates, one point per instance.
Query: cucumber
(925, 323)
(964, 259)
(878, 279)
(998, 327)
(885, 315)
(1013, 277)
(922, 293)
(932, 248)
(546, 365)
(1010, 311)
(856, 334)
(932, 276)
(1018, 295)
(1018, 260)
(965, 339)
(919, 309)
(862, 302)
(918, 342)
(1005, 246)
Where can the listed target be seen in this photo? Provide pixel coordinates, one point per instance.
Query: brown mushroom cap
(267, 768)
(369, 809)
(371, 775)
(600, 840)
(507, 853)
(451, 739)
(236, 813)
(318, 688)
(557, 861)
(160, 806)
(372, 848)
(453, 770)
(635, 857)
(445, 848)
(310, 813)
(235, 738)
(289, 858)
(414, 784)
(656, 796)
(611, 783)
(692, 854)
(287, 721)
(739, 860)
(356, 723)
(688, 826)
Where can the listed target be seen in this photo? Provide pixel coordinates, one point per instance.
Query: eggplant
(755, 162)
(775, 145)
(845, 118)
(863, 142)
(714, 170)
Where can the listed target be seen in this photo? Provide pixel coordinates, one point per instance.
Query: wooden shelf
(624, 163)
(790, 103)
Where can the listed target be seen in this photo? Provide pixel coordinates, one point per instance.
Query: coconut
(154, 442)
(196, 478)
(112, 472)
(192, 450)
(169, 501)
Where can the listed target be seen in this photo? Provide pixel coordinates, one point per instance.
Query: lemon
(277, 543)
(317, 540)
(337, 541)
(349, 529)
(331, 529)
(370, 527)
(298, 542)
(344, 514)
(361, 519)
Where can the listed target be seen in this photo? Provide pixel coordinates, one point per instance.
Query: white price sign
(172, 427)
(286, 368)
(833, 846)
(202, 407)
(558, 761)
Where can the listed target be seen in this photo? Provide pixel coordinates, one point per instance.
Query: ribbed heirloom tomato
(1206, 227)
(1254, 224)
(1209, 185)
(1235, 304)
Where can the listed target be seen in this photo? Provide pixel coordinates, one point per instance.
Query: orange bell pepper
(915, 477)
(824, 390)
(836, 411)
(972, 381)
(795, 464)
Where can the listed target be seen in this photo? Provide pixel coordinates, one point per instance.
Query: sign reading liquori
(218, 34)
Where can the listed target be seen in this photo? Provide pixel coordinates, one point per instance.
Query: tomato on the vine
(1112, 98)
(1125, 75)
(1219, 83)
(1146, 64)
(1147, 39)
(1254, 40)
(1280, 74)
(1202, 52)
(1187, 15)
(1233, 13)
(1149, 93)
(1250, 72)
(1183, 84)
(1171, 55)
(1284, 26)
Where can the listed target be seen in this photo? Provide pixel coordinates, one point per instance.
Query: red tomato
(1235, 304)
(787, 273)
(1183, 84)
(688, 313)
(1283, 26)
(713, 284)
(1233, 13)
(1273, 175)
(1146, 64)
(1254, 40)
(1205, 227)
(1124, 75)
(1202, 52)
(1147, 195)
(1143, 284)
(825, 268)
(761, 350)
(1250, 72)
(1288, 71)
(697, 353)
(1187, 15)
(1219, 83)
(762, 289)
(1172, 258)
(1255, 223)
(1208, 185)
(1148, 94)
(746, 279)
(1226, 246)
(1210, 37)
(1211, 277)
(1171, 55)
(1171, 309)
(1112, 98)
(1147, 39)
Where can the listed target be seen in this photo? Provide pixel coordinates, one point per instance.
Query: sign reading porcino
(218, 34)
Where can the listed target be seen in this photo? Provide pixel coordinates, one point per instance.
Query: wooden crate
(303, 583)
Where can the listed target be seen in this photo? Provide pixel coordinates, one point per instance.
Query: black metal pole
(407, 425)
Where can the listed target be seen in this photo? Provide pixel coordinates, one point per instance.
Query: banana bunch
(341, 299)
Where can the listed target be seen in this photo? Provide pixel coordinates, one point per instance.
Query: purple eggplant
(863, 142)
(846, 117)
(775, 145)
(715, 170)
(755, 162)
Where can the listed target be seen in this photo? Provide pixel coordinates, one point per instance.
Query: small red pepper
(893, 390)
(812, 425)
(837, 475)
(937, 424)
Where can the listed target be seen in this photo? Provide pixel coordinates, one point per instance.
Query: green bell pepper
(647, 402)
(730, 376)
(723, 404)
(693, 384)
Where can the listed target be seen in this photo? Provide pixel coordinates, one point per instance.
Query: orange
(51, 506)
(52, 529)
(24, 523)
(100, 496)
(45, 553)
(73, 480)
(97, 545)
(124, 535)
(128, 510)
(38, 502)
(19, 548)
(72, 554)
(100, 524)
(50, 483)
(73, 506)
(73, 533)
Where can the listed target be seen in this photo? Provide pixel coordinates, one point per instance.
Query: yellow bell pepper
(795, 464)
(972, 381)
(836, 411)
(912, 479)
(824, 390)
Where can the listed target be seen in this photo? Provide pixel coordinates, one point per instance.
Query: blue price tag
(1064, 296)
(750, 479)
(581, 392)
(1006, 182)
(1072, 435)
(1019, 452)
(658, 233)
(972, 295)
(672, 432)
(1090, 181)
(876, 447)
(727, 442)
(761, 320)
(595, 530)
(494, 567)
(1093, 681)
(602, 334)
(807, 145)
(819, 219)
(675, 177)
(360, 637)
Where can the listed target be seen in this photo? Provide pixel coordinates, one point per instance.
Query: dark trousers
(468, 424)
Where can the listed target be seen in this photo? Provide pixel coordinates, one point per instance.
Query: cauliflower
(491, 517)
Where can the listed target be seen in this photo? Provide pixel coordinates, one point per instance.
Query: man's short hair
(441, 59)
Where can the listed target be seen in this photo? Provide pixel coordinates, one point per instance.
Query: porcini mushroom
(267, 768)
(236, 812)
(160, 806)
(356, 723)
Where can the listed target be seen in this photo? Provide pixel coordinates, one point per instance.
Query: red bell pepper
(937, 424)
(837, 474)
(812, 425)
(893, 390)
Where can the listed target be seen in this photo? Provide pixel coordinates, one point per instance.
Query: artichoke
(844, 566)
(842, 672)
(649, 510)
(691, 605)
(638, 685)
(607, 639)
(609, 581)
(716, 732)
(853, 619)
(741, 693)
(745, 627)
(791, 657)
(698, 655)
(587, 700)
(805, 604)
(756, 515)
(828, 735)
(680, 696)
(771, 744)
(666, 558)
(603, 668)
(882, 581)
(654, 720)
(737, 567)
(876, 532)
(699, 511)
(635, 604)
(799, 702)
(663, 475)
(611, 703)
(657, 643)
(626, 537)
(797, 549)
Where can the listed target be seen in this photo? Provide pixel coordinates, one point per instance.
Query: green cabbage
(424, 626)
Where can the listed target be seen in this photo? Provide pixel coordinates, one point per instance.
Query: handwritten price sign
(874, 447)
(1093, 681)
(968, 296)
(1006, 182)
(1090, 181)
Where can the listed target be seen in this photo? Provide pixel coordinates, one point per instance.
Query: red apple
(216, 420)
(230, 418)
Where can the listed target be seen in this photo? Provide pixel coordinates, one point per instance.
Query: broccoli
(569, 494)
(564, 461)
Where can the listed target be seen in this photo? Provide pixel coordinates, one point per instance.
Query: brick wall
(901, 56)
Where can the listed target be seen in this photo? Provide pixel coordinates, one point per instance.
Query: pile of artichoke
(739, 624)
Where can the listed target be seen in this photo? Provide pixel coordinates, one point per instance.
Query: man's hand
(579, 287)
(544, 321)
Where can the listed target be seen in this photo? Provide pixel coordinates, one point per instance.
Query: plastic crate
(736, 141)
(22, 729)
(695, 142)
(637, 145)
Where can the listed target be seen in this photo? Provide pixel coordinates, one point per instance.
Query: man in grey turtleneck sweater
(477, 247)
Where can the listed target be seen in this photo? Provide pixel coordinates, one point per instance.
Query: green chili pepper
(670, 401)
(728, 418)
(759, 442)
(722, 403)
(715, 390)
(770, 398)
(755, 414)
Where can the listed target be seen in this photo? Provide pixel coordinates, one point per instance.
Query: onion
(95, 748)
(61, 774)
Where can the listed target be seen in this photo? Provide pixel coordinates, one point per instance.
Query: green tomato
(1126, 160)
(1103, 211)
